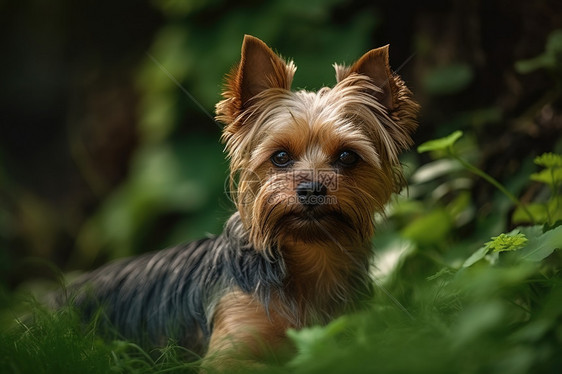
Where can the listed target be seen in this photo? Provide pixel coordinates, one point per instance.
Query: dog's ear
(259, 69)
(374, 64)
(392, 129)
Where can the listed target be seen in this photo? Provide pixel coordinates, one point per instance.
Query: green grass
(495, 316)
(57, 342)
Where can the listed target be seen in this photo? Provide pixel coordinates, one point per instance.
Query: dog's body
(174, 293)
(309, 171)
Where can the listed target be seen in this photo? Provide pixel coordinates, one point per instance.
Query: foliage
(52, 343)
(161, 183)
(440, 144)
(466, 280)
(431, 313)
(45, 341)
(504, 298)
(507, 242)
(447, 144)
(169, 177)
(549, 211)
(550, 59)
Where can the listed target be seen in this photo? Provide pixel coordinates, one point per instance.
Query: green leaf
(460, 207)
(430, 228)
(476, 320)
(548, 176)
(476, 256)
(441, 143)
(548, 59)
(448, 79)
(535, 63)
(312, 341)
(549, 160)
(540, 245)
(507, 242)
(538, 211)
(511, 241)
(555, 208)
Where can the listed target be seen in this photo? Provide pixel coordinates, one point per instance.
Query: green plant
(46, 341)
(446, 145)
(550, 210)
(550, 59)
(496, 310)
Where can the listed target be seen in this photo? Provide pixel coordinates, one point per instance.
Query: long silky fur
(172, 294)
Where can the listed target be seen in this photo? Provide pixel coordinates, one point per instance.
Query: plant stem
(494, 182)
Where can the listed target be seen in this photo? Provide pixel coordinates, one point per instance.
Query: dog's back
(172, 294)
(156, 296)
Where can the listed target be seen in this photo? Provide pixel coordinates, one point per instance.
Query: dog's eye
(281, 159)
(348, 158)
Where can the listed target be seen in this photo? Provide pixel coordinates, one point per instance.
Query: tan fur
(316, 280)
(369, 111)
(242, 327)
(259, 69)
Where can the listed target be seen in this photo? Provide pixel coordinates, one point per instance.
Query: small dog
(309, 171)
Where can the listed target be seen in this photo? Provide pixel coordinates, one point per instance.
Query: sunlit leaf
(549, 160)
(548, 176)
(507, 242)
(441, 143)
(538, 211)
(511, 241)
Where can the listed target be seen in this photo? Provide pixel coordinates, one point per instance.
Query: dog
(308, 172)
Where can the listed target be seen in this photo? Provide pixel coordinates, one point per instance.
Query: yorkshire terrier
(309, 170)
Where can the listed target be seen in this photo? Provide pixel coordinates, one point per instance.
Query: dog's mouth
(316, 217)
(311, 225)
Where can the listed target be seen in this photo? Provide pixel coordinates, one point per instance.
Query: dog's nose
(311, 193)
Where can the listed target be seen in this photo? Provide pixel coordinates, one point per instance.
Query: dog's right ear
(259, 69)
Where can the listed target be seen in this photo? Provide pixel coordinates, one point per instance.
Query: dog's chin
(311, 225)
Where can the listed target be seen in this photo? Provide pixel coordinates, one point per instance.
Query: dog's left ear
(259, 69)
(374, 64)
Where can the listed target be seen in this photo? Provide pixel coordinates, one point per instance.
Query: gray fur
(172, 293)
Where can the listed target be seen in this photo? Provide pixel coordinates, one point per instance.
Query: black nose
(311, 193)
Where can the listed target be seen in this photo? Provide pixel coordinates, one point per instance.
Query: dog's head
(313, 166)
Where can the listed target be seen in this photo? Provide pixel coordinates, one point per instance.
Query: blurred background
(103, 155)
